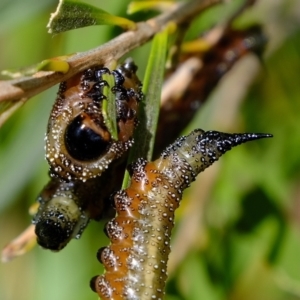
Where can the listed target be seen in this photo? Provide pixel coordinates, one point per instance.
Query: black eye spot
(82, 142)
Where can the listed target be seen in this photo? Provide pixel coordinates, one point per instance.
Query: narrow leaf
(196, 46)
(136, 6)
(144, 135)
(152, 90)
(74, 14)
(109, 107)
(56, 64)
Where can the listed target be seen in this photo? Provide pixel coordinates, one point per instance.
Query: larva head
(57, 221)
(78, 142)
(128, 71)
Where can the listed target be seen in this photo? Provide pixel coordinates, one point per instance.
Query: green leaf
(136, 6)
(144, 135)
(109, 107)
(55, 64)
(152, 85)
(74, 14)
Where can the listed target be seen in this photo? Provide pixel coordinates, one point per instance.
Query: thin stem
(26, 87)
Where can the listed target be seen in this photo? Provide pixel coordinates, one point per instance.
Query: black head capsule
(82, 142)
(58, 221)
(88, 74)
(255, 40)
(130, 65)
(128, 70)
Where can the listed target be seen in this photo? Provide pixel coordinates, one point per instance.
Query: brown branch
(26, 87)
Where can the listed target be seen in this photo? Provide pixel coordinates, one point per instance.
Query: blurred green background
(237, 234)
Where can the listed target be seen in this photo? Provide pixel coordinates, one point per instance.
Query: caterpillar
(79, 148)
(78, 143)
(136, 260)
(234, 44)
(60, 215)
(72, 149)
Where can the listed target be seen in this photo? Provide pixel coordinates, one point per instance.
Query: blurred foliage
(242, 241)
(76, 14)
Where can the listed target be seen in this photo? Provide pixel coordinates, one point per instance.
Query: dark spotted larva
(78, 143)
(136, 260)
(66, 207)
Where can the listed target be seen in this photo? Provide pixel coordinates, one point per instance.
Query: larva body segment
(78, 143)
(136, 260)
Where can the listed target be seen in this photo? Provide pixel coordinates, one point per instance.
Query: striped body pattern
(136, 260)
(79, 145)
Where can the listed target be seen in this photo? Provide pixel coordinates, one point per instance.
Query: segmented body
(78, 143)
(136, 260)
(79, 148)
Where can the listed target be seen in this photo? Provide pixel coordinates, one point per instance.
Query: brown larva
(136, 260)
(78, 143)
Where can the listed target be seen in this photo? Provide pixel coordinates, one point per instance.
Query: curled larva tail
(136, 260)
(79, 145)
(200, 149)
